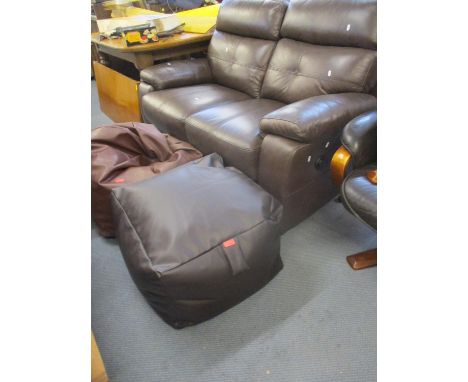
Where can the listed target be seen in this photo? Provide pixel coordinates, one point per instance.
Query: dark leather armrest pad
(144, 88)
(177, 73)
(307, 119)
(360, 138)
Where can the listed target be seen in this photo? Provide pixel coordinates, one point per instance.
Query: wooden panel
(98, 371)
(118, 94)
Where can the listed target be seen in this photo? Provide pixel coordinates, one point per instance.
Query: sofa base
(303, 203)
(298, 175)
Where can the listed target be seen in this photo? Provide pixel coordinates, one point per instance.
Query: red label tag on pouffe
(229, 243)
(119, 180)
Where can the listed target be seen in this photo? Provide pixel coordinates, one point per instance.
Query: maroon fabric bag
(126, 153)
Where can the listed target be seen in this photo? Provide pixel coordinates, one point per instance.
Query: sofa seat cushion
(168, 109)
(233, 131)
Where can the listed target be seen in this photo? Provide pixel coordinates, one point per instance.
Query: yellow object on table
(199, 20)
(135, 11)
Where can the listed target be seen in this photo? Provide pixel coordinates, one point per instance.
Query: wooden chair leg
(363, 260)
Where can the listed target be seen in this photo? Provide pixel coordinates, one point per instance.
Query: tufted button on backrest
(327, 47)
(243, 43)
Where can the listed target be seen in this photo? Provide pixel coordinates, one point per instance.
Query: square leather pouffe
(198, 239)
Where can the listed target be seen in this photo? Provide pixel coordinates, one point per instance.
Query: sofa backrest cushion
(243, 42)
(327, 47)
(239, 62)
(299, 70)
(336, 22)
(252, 18)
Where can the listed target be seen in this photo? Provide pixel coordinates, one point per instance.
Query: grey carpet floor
(315, 322)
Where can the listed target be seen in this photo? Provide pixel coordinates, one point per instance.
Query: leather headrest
(350, 23)
(252, 18)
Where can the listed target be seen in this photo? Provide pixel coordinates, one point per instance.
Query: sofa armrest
(177, 73)
(143, 89)
(360, 139)
(307, 119)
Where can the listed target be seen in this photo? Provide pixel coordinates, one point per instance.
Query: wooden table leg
(363, 259)
(143, 60)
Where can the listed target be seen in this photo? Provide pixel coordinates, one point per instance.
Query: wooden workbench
(118, 93)
(144, 55)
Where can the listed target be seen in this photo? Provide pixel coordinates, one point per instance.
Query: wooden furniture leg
(339, 163)
(98, 371)
(363, 260)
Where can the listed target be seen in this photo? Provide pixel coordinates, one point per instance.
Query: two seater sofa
(280, 81)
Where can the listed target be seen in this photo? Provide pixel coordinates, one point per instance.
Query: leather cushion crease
(239, 62)
(298, 70)
(126, 153)
(168, 109)
(232, 129)
(244, 40)
(198, 239)
(177, 73)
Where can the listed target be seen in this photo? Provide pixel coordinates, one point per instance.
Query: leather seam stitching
(300, 188)
(296, 73)
(367, 75)
(143, 249)
(290, 159)
(210, 249)
(296, 150)
(223, 140)
(236, 63)
(292, 123)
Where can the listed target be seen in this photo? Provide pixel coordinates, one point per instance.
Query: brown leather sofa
(280, 81)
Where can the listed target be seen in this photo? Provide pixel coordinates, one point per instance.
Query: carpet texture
(315, 322)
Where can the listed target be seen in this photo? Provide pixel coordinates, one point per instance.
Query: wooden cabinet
(118, 94)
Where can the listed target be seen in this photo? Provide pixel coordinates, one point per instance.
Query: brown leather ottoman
(198, 239)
